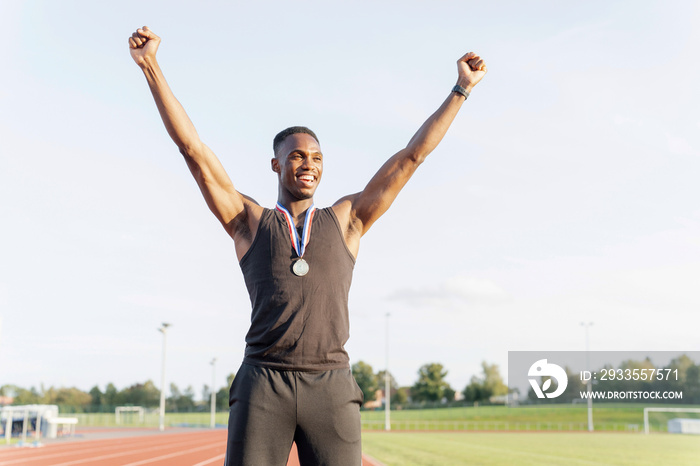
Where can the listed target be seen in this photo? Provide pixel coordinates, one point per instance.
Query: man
(295, 382)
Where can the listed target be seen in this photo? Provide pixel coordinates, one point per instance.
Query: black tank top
(298, 323)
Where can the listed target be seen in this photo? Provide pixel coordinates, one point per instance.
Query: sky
(564, 192)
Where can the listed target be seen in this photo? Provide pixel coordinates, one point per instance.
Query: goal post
(128, 409)
(665, 410)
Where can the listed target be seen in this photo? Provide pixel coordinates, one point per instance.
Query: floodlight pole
(589, 388)
(213, 393)
(163, 329)
(387, 382)
(24, 426)
(8, 426)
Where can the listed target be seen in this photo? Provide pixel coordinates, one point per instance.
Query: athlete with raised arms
(295, 383)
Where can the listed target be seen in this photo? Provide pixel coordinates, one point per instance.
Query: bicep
(225, 202)
(381, 191)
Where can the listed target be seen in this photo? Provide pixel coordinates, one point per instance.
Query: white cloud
(623, 120)
(455, 292)
(679, 145)
(469, 287)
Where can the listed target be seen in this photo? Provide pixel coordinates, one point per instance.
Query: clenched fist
(471, 69)
(143, 45)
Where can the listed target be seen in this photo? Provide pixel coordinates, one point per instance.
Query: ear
(275, 165)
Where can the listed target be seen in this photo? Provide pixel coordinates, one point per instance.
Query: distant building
(6, 400)
(684, 426)
(377, 402)
(509, 399)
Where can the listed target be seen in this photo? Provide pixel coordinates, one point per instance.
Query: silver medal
(300, 268)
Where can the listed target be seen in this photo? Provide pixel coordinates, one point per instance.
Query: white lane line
(92, 448)
(172, 455)
(24, 455)
(211, 460)
(122, 453)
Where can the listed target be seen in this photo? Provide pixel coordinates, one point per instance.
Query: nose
(306, 163)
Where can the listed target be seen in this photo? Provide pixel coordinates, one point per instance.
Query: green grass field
(522, 449)
(619, 417)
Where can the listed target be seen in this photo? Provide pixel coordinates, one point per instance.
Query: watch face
(300, 268)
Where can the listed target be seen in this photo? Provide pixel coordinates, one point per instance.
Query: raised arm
(361, 210)
(228, 205)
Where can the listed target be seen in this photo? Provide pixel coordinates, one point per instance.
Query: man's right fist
(471, 69)
(143, 45)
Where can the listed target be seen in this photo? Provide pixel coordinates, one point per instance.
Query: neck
(297, 208)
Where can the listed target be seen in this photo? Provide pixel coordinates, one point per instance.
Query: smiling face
(298, 163)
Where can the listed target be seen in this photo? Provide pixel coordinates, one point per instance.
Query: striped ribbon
(299, 245)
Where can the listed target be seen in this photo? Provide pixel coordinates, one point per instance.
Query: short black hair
(282, 135)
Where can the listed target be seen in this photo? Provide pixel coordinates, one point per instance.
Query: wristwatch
(460, 90)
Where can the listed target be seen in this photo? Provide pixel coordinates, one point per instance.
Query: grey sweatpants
(270, 409)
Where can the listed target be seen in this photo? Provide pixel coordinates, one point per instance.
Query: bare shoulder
(251, 203)
(350, 225)
(244, 226)
(342, 209)
(252, 212)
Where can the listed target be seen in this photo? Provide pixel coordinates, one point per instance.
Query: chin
(307, 193)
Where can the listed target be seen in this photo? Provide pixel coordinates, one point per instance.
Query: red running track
(196, 448)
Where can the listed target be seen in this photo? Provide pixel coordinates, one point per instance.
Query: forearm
(177, 123)
(433, 130)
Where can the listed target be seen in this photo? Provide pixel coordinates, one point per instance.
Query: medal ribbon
(298, 243)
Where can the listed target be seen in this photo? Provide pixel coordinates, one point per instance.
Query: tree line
(431, 386)
(145, 394)
(681, 374)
